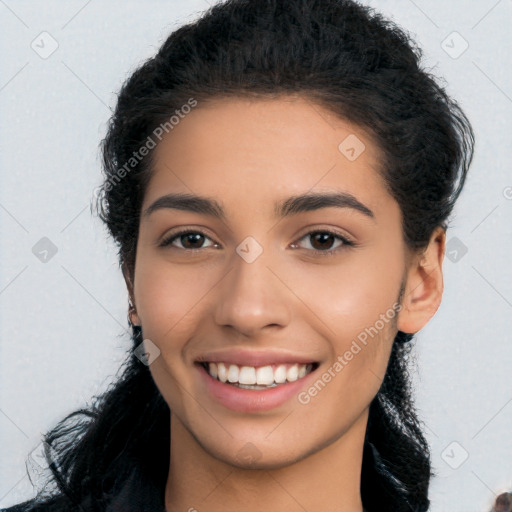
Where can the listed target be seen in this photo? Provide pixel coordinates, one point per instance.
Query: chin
(259, 454)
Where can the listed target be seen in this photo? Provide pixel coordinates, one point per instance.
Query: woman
(278, 179)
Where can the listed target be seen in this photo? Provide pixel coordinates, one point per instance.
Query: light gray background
(63, 322)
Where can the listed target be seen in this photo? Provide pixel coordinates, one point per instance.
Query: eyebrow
(291, 206)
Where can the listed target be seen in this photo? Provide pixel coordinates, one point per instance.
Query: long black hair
(337, 54)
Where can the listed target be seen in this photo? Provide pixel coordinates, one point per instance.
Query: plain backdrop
(63, 320)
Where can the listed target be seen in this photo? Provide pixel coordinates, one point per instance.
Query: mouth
(257, 377)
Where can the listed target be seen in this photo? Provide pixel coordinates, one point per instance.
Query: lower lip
(252, 400)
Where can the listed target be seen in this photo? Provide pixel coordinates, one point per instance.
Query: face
(258, 285)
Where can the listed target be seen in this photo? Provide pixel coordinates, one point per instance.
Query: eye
(190, 240)
(323, 240)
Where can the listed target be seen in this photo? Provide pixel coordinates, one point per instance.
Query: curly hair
(342, 56)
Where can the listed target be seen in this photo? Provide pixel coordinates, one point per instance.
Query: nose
(253, 296)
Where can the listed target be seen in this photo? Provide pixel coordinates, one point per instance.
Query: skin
(248, 154)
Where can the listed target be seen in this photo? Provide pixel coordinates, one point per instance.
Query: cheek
(346, 386)
(169, 297)
(350, 296)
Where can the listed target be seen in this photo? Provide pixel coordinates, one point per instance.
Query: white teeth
(247, 375)
(223, 373)
(233, 373)
(250, 377)
(293, 373)
(264, 376)
(280, 374)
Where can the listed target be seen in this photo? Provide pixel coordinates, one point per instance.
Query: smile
(262, 377)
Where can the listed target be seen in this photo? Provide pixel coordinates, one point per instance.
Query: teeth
(247, 375)
(233, 373)
(293, 373)
(280, 374)
(262, 377)
(223, 373)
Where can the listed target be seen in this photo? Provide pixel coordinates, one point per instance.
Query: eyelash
(329, 252)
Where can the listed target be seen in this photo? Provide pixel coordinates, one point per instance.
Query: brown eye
(321, 242)
(191, 240)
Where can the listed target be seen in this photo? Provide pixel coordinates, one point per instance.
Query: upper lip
(244, 357)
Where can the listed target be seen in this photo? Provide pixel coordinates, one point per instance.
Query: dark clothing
(133, 498)
(134, 495)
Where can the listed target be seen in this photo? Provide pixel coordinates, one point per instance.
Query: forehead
(265, 149)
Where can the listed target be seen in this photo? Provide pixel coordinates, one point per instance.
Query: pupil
(191, 236)
(323, 237)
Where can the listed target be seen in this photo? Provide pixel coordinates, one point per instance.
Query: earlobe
(132, 311)
(424, 285)
(134, 317)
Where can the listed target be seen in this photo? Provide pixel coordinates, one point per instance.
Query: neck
(326, 480)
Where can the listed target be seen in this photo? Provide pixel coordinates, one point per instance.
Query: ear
(424, 285)
(134, 317)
